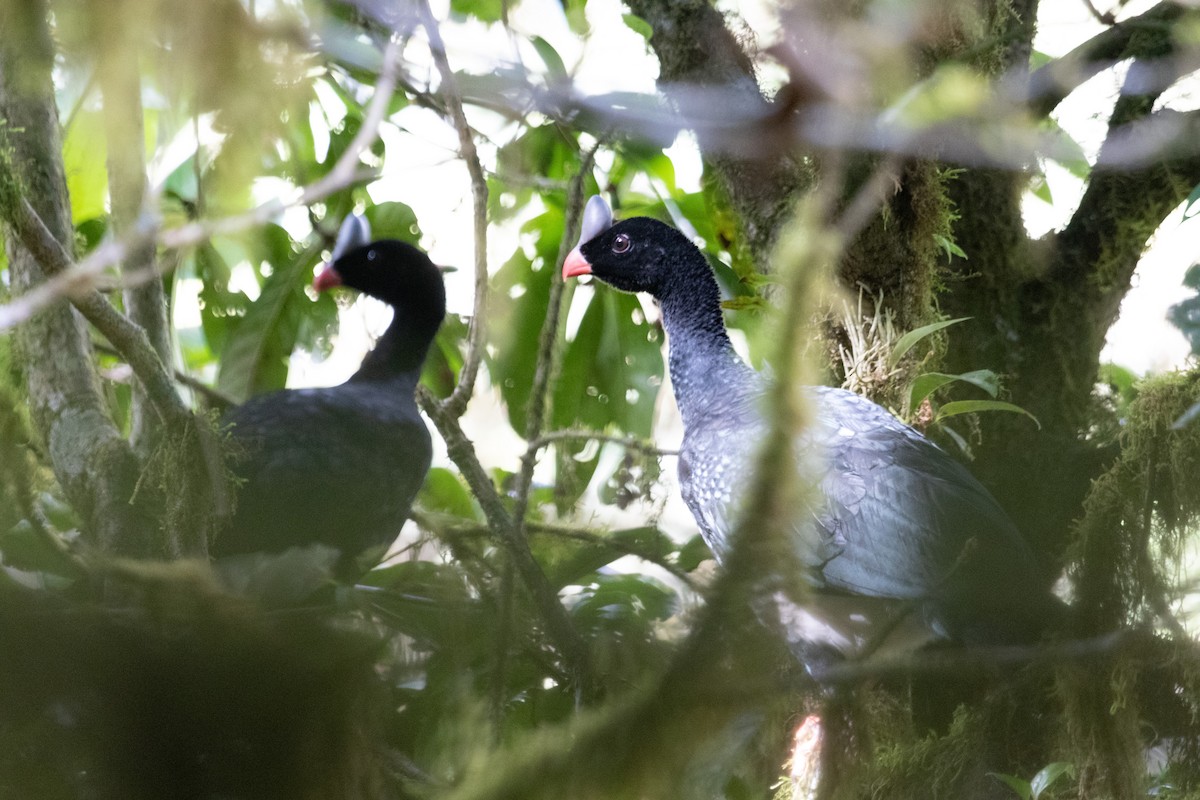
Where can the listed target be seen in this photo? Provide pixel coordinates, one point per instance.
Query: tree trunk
(92, 461)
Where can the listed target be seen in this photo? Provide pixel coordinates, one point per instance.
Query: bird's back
(338, 466)
(898, 519)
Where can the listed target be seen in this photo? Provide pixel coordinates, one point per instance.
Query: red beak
(575, 265)
(326, 279)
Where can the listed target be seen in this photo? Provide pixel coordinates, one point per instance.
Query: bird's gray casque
(906, 538)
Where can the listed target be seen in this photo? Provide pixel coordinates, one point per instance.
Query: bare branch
(580, 434)
(1051, 84)
(558, 624)
(128, 338)
(145, 302)
(457, 401)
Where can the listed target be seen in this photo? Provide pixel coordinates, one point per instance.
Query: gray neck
(706, 373)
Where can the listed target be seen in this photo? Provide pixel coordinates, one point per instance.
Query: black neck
(400, 351)
(705, 369)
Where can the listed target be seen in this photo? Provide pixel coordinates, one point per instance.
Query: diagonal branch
(1101, 246)
(558, 623)
(1146, 35)
(127, 337)
(457, 401)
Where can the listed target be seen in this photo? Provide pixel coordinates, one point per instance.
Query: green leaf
(521, 301)
(550, 57)
(1019, 786)
(694, 553)
(1192, 199)
(445, 492)
(85, 165)
(26, 549)
(566, 561)
(612, 369)
(949, 247)
(912, 337)
(1185, 315)
(638, 26)
(975, 406)
(1048, 775)
(255, 356)
(394, 220)
(1040, 189)
(929, 382)
(1069, 153)
(483, 10)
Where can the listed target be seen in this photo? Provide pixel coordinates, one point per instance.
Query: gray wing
(903, 519)
(898, 517)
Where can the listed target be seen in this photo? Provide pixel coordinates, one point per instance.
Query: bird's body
(903, 532)
(340, 466)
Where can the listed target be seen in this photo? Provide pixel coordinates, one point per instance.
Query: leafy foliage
(440, 675)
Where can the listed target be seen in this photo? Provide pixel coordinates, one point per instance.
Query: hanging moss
(1125, 556)
(1139, 512)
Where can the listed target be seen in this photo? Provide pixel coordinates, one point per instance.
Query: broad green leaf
(622, 601)
(25, 548)
(85, 165)
(912, 337)
(1019, 786)
(975, 406)
(638, 26)
(576, 16)
(929, 382)
(1048, 775)
(612, 369)
(394, 220)
(445, 359)
(255, 356)
(566, 560)
(521, 299)
(445, 491)
(694, 553)
(550, 57)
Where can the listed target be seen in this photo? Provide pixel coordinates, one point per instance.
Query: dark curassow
(340, 466)
(907, 540)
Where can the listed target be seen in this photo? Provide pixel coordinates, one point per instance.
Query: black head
(393, 271)
(639, 254)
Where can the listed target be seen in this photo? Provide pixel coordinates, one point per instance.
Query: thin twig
(213, 395)
(580, 434)
(545, 365)
(86, 272)
(972, 659)
(457, 401)
(558, 623)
